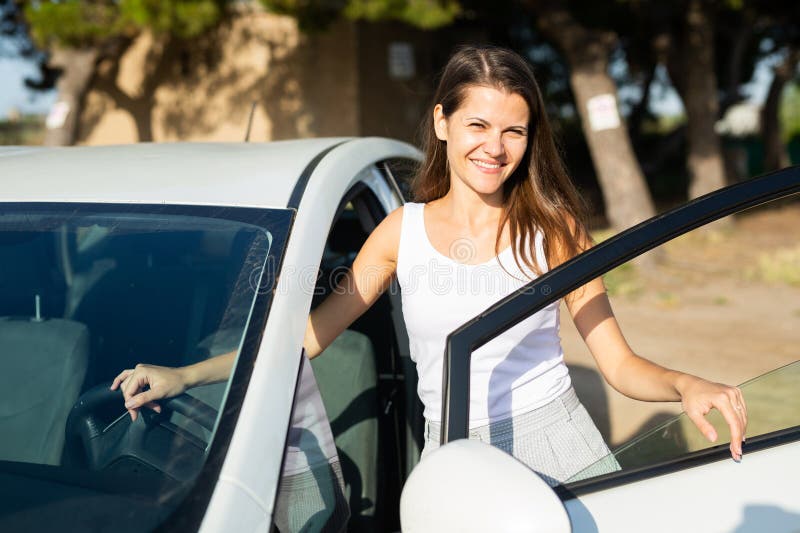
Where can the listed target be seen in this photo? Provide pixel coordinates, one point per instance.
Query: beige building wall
(393, 106)
(303, 86)
(340, 82)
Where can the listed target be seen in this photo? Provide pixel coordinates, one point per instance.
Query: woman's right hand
(143, 385)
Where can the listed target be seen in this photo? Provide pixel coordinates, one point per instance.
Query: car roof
(233, 174)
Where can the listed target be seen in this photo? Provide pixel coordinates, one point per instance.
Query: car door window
(772, 406)
(719, 301)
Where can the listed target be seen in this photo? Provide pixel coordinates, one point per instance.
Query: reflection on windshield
(773, 404)
(84, 296)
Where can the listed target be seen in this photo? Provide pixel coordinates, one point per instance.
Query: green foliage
(426, 14)
(318, 14)
(80, 23)
(790, 112)
(27, 131)
(71, 22)
(182, 18)
(781, 266)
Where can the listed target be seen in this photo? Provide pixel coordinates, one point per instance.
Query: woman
(496, 208)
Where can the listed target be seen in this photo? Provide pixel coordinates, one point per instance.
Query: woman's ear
(440, 122)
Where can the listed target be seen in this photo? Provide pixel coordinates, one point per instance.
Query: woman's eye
(475, 125)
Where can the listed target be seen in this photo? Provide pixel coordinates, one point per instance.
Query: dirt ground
(722, 303)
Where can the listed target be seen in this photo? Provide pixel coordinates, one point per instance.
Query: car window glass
(678, 436)
(311, 492)
(87, 291)
(403, 171)
(721, 302)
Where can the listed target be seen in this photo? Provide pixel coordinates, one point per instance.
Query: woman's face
(486, 137)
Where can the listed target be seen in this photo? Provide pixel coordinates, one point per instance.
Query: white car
(172, 253)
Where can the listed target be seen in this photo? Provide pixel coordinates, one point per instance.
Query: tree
(688, 36)
(587, 50)
(775, 155)
(76, 37)
(627, 200)
(318, 14)
(783, 39)
(691, 64)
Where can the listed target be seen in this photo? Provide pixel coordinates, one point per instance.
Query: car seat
(347, 379)
(42, 370)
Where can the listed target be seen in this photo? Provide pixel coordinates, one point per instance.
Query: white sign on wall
(603, 114)
(57, 115)
(401, 61)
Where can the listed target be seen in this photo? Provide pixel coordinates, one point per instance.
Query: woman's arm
(638, 378)
(372, 272)
(356, 291)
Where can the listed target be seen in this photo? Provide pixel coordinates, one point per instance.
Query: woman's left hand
(698, 396)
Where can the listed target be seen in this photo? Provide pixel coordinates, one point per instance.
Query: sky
(14, 94)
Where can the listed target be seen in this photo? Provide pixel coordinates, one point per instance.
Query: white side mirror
(472, 486)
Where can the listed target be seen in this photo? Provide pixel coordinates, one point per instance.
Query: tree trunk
(625, 195)
(699, 92)
(77, 69)
(161, 56)
(775, 155)
(739, 38)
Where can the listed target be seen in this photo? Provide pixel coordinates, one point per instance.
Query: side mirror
(472, 486)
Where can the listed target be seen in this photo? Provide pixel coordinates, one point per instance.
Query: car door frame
(595, 262)
(699, 482)
(251, 470)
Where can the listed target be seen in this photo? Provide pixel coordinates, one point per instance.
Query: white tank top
(519, 370)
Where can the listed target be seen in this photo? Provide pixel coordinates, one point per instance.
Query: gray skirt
(558, 441)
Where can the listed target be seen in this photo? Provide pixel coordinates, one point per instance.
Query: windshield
(87, 291)
(773, 404)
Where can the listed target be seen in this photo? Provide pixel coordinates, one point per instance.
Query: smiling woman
(492, 179)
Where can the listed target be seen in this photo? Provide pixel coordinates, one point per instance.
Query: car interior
(84, 299)
(367, 380)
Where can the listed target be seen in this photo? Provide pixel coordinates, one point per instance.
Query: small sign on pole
(603, 114)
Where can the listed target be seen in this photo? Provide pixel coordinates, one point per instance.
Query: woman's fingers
(142, 385)
(702, 424)
(135, 382)
(143, 399)
(743, 405)
(120, 378)
(732, 410)
(729, 401)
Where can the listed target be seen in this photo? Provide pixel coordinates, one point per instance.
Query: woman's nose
(493, 146)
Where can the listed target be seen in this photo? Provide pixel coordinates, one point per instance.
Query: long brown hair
(539, 195)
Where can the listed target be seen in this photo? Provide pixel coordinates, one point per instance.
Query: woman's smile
(488, 167)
